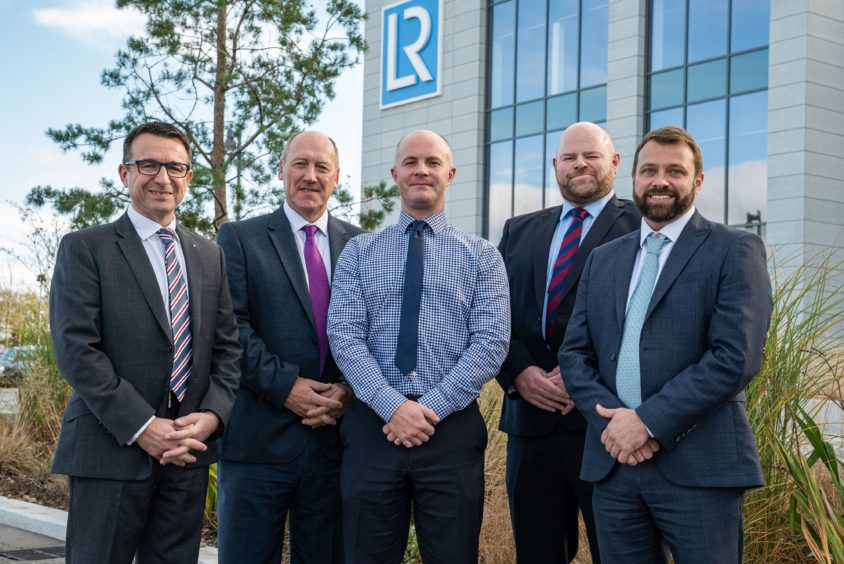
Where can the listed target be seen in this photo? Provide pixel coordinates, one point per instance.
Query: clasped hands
(411, 424)
(171, 441)
(626, 438)
(318, 403)
(544, 390)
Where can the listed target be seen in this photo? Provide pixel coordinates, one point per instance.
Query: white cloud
(91, 21)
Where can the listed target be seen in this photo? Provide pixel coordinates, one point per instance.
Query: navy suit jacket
(525, 246)
(701, 344)
(273, 307)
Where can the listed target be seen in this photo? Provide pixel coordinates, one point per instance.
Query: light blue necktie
(628, 378)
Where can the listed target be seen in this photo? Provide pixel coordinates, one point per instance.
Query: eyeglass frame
(160, 164)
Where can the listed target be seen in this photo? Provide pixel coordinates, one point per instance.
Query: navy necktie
(562, 267)
(407, 344)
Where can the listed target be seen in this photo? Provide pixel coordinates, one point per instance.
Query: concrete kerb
(52, 523)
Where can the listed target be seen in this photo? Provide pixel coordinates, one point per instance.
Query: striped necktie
(179, 316)
(562, 267)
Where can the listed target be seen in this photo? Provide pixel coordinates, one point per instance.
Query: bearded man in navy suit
(667, 331)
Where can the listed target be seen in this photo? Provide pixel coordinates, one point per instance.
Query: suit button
(612, 357)
(170, 348)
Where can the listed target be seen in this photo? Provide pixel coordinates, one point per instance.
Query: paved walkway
(33, 533)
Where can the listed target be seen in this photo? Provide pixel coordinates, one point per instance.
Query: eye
(677, 172)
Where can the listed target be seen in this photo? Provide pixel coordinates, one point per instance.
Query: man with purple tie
(281, 452)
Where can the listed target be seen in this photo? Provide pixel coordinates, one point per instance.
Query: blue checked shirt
(464, 318)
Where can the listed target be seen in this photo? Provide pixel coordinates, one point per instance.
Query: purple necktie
(319, 290)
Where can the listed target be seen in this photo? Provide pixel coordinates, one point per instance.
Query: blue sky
(53, 54)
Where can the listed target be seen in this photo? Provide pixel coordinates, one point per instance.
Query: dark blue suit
(701, 344)
(270, 462)
(544, 449)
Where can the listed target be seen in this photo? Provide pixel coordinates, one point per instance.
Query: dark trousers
(634, 505)
(441, 482)
(545, 491)
(255, 500)
(160, 518)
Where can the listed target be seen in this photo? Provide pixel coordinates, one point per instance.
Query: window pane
(530, 63)
(562, 111)
(501, 124)
(707, 80)
(666, 89)
(748, 172)
(500, 184)
(750, 24)
(594, 42)
(673, 116)
(593, 104)
(503, 54)
(707, 29)
(706, 122)
(562, 46)
(552, 191)
(528, 173)
(529, 118)
(749, 71)
(668, 20)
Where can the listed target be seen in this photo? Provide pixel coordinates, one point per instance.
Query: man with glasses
(144, 332)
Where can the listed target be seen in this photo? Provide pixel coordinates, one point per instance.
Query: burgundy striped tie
(179, 316)
(562, 267)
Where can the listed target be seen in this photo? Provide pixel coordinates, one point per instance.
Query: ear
(123, 172)
(451, 172)
(281, 169)
(698, 183)
(394, 174)
(616, 160)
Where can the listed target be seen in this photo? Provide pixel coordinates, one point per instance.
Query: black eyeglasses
(149, 167)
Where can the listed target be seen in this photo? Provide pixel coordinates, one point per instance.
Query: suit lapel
(625, 260)
(288, 253)
(193, 265)
(690, 239)
(133, 251)
(546, 225)
(337, 239)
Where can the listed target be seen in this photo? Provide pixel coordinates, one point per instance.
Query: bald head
(422, 170)
(310, 172)
(586, 163)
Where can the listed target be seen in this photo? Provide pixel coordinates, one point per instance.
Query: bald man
(544, 253)
(419, 322)
(281, 451)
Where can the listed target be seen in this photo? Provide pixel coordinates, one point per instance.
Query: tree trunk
(218, 151)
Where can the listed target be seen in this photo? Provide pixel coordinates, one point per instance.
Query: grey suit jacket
(701, 344)
(113, 344)
(278, 335)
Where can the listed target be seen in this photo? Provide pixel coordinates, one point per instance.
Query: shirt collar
(672, 230)
(436, 222)
(297, 222)
(146, 227)
(593, 208)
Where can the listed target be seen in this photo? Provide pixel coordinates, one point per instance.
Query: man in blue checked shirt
(419, 321)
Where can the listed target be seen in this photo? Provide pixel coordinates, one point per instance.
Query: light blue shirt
(464, 317)
(594, 209)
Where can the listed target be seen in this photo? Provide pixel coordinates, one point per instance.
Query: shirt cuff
(386, 402)
(141, 430)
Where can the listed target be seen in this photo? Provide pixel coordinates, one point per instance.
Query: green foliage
(379, 199)
(210, 513)
(801, 361)
(811, 510)
(257, 70)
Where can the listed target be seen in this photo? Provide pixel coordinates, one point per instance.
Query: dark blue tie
(408, 340)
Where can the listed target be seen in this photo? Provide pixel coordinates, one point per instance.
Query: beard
(663, 213)
(584, 194)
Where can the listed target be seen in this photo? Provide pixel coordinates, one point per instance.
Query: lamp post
(232, 144)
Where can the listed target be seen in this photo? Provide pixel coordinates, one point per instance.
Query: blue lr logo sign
(411, 51)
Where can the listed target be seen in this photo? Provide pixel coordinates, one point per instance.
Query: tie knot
(418, 226)
(654, 243)
(579, 214)
(310, 230)
(167, 237)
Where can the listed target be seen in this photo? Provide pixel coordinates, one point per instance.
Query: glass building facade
(707, 71)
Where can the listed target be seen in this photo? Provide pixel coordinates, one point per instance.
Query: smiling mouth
(158, 192)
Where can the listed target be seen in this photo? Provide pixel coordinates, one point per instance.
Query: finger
(193, 444)
(604, 437)
(182, 434)
(312, 422)
(173, 454)
(555, 372)
(316, 411)
(327, 419)
(187, 420)
(324, 401)
(430, 414)
(604, 412)
(569, 407)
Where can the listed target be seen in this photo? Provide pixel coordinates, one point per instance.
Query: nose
(310, 174)
(162, 177)
(661, 179)
(579, 162)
